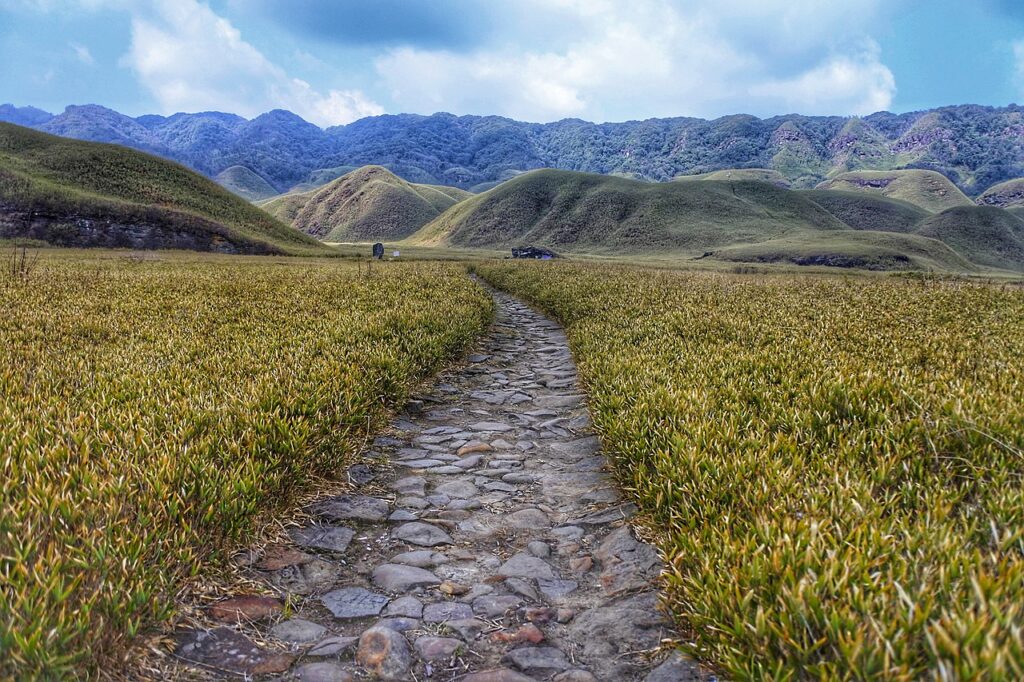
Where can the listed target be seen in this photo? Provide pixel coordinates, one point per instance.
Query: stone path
(484, 542)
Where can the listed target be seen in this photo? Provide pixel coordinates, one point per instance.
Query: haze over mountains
(976, 147)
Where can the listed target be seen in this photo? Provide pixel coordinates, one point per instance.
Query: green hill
(985, 235)
(762, 174)
(93, 194)
(321, 177)
(927, 189)
(851, 249)
(245, 183)
(366, 204)
(601, 214)
(1009, 194)
(863, 211)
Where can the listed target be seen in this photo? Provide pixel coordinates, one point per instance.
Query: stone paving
(485, 542)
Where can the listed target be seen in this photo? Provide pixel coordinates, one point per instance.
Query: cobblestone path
(484, 542)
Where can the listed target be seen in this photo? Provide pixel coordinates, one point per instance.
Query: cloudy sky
(333, 61)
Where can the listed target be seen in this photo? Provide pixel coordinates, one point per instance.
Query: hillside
(366, 204)
(978, 146)
(89, 194)
(927, 189)
(601, 214)
(863, 211)
(762, 174)
(245, 183)
(985, 235)
(1009, 194)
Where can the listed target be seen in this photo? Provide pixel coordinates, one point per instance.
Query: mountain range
(975, 147)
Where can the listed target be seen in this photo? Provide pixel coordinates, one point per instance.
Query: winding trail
(484, 542)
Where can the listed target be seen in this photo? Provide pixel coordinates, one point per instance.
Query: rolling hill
(977, 146)
(863, 211)
(1009, 194)
(602, 214)
(367, 204)
(75, 193)
(245, 183)
(985, 235)
(763, 174)
(930, 190)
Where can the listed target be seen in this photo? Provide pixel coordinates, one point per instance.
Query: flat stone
(527, 519)
(604, 516)
(444, 611)
(323, 671)
(607, 634)
(354, 602)
(332, 646)
(402, 578)
(495, 427)
(525, 566)
(464, 505)
(328, 538)
(495, 606)
(418, 463)
(246, 607)
(421, 558)
(355, 507)
(435, 648)
(402, 515)
(467, 628)
(539, 549)
(537, 660)
(399, 623)
(473, 446)
(627, 564)
(405, 607)
(422, 534)
(410, 485)
(278, 556)
(308, 578)
(298, 631)
(497, 675)
(576, 675)
(360, 474)
(469, 463)
(225, 649)
(677, 668)
(556, 589)
(384, 653)
(457, 489)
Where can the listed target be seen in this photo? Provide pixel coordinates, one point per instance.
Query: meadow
(153, 408)
(832, 465)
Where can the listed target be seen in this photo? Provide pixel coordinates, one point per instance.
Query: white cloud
(660, 58)
(82, 54)
(190, 59)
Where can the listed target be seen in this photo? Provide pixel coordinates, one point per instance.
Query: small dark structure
(378, 251)
(533, 252)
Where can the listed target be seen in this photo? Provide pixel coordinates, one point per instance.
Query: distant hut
(533, 252)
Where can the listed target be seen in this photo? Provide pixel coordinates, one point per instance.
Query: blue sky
(333, 61)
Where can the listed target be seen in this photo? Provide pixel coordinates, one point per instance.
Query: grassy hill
(245, 183)
(863, 211)
(1009, 194)
(862, 249)
(762, 174)
(930, 190)
(985, 235)
(321, 177)
(368, 203)
(91, 194)
(601, 214)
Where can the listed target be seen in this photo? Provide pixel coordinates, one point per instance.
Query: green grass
(863, 211)
(68, 180)
(834, 467)
(985, 235)
(245, 183)
(762, 174)
(155, 407)
(369, 203)
(579, 212)
(927, 189)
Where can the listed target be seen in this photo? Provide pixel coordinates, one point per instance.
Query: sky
(334, 61)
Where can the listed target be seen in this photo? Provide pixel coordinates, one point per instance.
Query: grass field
(832, 465)
(154, 405)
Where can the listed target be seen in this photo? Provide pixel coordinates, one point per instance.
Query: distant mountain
(23, 116)
(975, 147)
(367, 204)
(73, 193)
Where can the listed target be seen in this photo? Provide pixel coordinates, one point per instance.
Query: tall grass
(833, 466)
(149, 411)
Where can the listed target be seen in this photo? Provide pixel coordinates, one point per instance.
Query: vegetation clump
(153, 408)
(833, 468)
